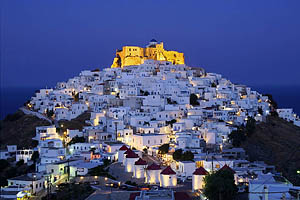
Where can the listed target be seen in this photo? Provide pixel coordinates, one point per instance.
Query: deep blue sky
(254, 42)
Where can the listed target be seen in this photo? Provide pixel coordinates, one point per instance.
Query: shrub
(194, 100)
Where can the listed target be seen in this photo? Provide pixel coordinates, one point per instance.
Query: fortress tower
(133, 55)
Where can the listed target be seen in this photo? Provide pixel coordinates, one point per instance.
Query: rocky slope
(19, 129)
(277, 142)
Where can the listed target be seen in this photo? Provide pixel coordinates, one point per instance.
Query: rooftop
(200, 171)
(153, 167)
(168, 171)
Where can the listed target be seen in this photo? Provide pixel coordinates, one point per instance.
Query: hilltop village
(155, 124)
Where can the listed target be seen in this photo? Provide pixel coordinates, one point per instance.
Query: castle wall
(133, 55)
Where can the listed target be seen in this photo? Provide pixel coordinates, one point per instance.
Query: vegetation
(276, 142)
(260, 111)
(220, 185)
(35, 156)
(19, 129)
(77, 123)
(171, 122)
(240, 135)
(13, 117)
(271, 101)
(102, 170)
(163, 149)
(49, 113)
(194, 100)
(144, 93)
(76, 139)
(180, 156)
(145, 150)
(71, 191)
(169, 101)
(7, 170)
(20, 163)
(131, 183)
(76, 97)
(4, 164)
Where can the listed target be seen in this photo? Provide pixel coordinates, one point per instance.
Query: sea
(12, 98)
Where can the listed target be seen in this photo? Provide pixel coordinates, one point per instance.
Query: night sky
(255, 42)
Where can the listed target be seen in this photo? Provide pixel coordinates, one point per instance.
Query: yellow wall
(133, 55)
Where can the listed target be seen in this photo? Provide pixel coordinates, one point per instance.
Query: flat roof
(25, 178)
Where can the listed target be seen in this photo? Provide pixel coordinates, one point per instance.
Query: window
(217, 166)
(148, 141)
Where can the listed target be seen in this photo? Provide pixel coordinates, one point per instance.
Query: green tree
(250, 126)
(177, 154)
(194, 100)
(49, 113)
(260, 110)
(271, 101)
(35, 156)
(240, 135)
(220, 185)
(187, 156)
(171, 122)
(76, 139)
(20, 163)
(163, 149)
(237, 137)
(145, 150)
(76, 97)
(4, 164)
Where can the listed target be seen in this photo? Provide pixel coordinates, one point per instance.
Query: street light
(33, 178)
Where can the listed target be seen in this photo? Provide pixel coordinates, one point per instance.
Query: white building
(168, 178)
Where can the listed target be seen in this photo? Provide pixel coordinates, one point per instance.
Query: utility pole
(212, 163)
(68, 170)
(116, 127)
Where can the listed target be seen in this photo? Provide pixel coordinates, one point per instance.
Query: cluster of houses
(136, 109)
(289, 115)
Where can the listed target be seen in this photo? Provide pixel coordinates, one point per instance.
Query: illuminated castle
(133, 55)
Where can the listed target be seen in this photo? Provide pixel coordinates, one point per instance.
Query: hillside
(19, 129)
(76, 123)
(277, 142)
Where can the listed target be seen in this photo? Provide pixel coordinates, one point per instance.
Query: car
(144, 188)
(154, 187)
